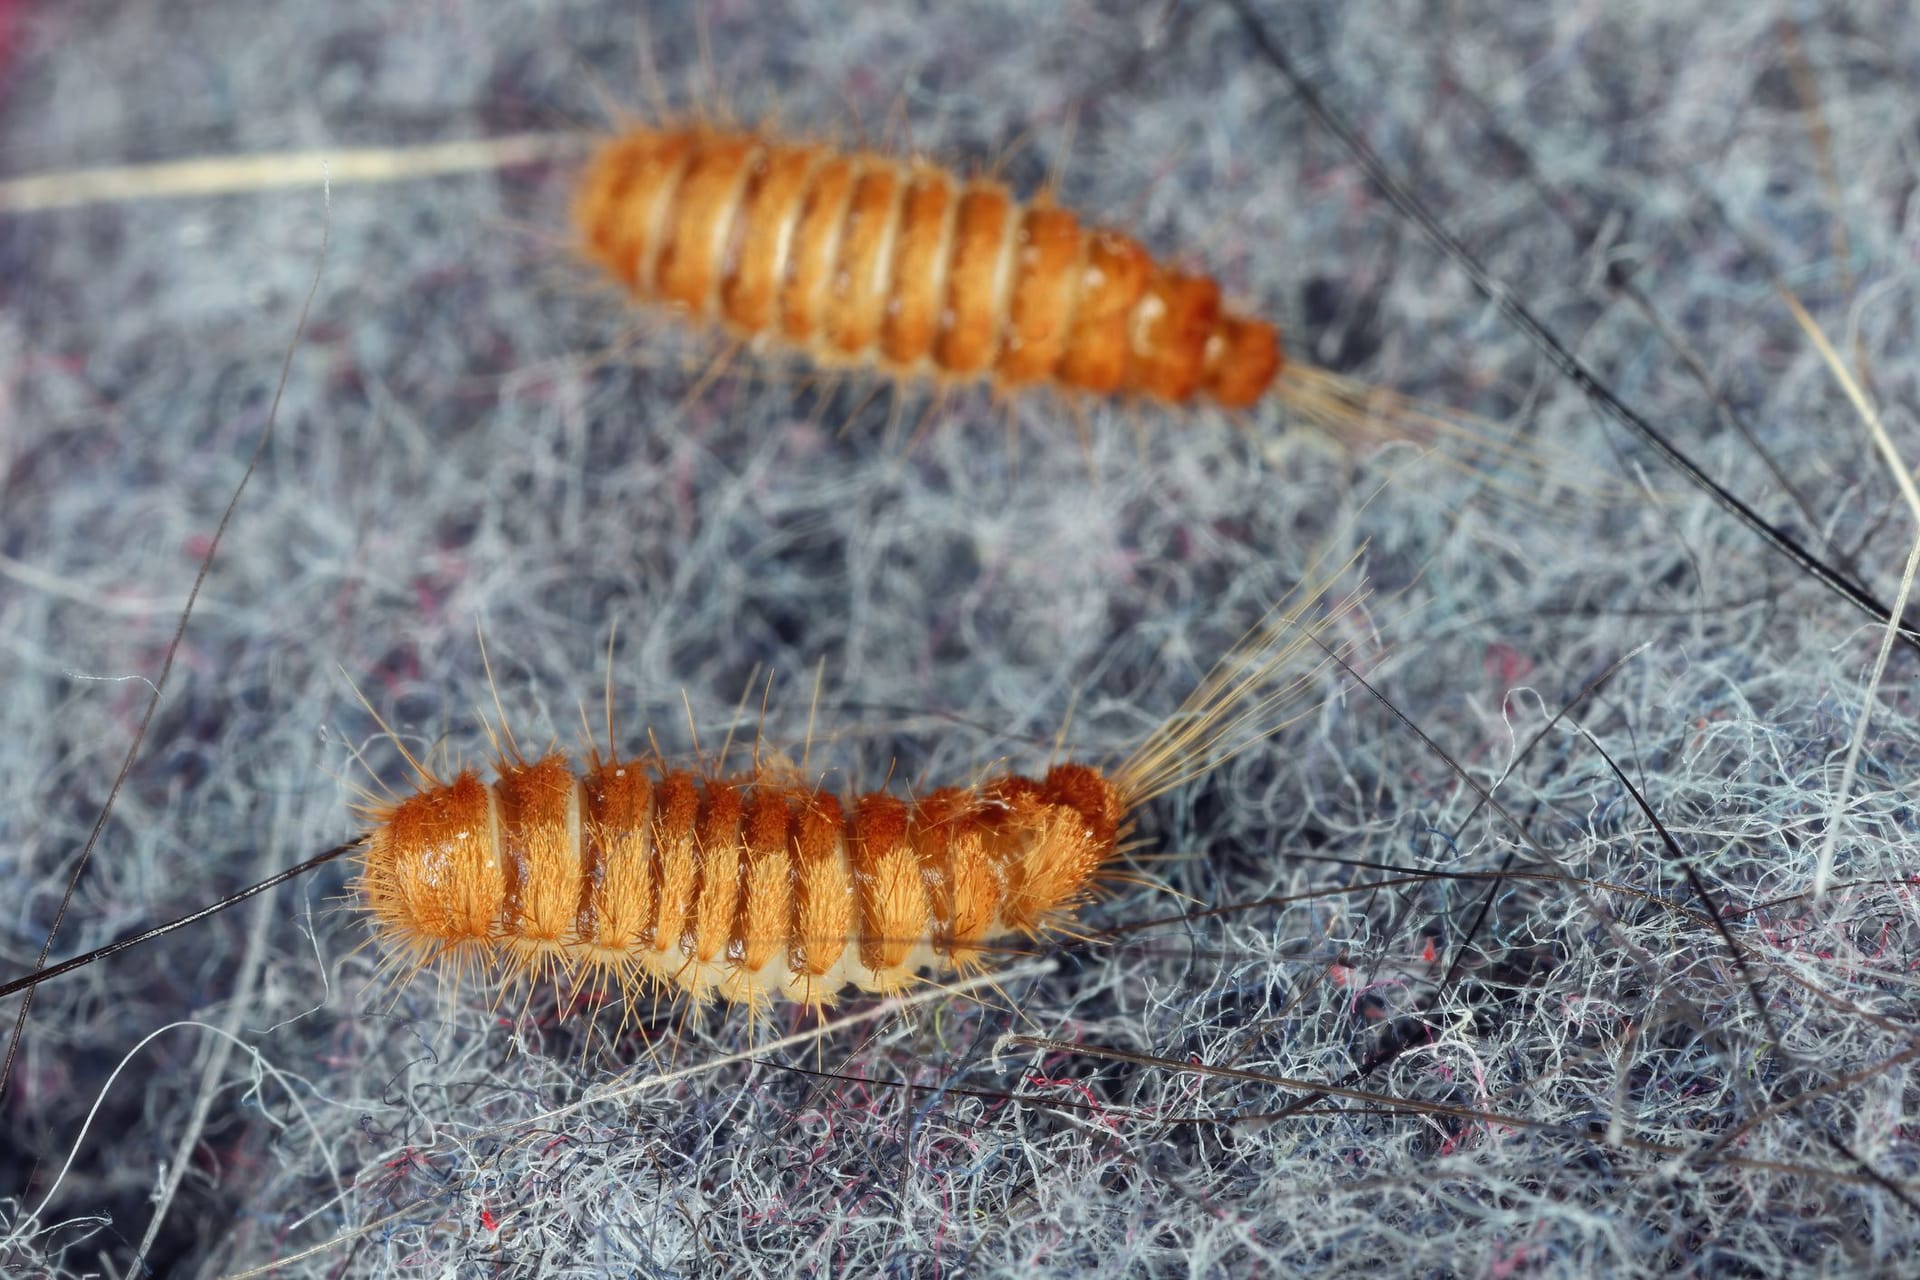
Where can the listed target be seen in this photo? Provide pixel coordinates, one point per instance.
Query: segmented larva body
(755, 889)
(865, 260)
(748, 891)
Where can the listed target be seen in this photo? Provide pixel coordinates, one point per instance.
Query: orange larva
(865, 260)
(749, 890)
(757, 888)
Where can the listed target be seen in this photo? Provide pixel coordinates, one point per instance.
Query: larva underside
(758, 889)
(865, 260)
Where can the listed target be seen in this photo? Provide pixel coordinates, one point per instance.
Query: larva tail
(1252, 693)
(1360, 414)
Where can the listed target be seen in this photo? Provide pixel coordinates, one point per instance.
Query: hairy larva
(862, 259)
(743, 888)
(762, 887)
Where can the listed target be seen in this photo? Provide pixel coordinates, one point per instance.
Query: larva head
(431, 872)
(1243, 358)
(597, 197)
(619, 198)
